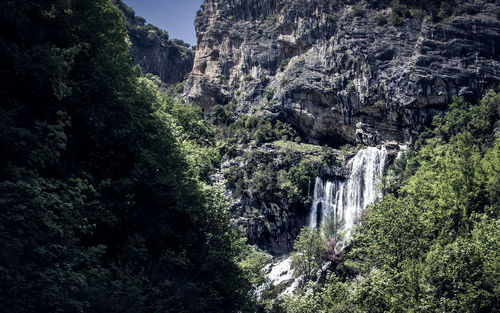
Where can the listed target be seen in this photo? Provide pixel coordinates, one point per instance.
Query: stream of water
(340, 200)
(344, 201)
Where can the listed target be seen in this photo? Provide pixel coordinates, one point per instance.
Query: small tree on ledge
(309, 254)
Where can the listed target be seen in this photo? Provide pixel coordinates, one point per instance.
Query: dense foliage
(432, 243)
(267, 177)
(105, 204)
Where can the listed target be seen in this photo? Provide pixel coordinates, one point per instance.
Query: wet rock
(271, 226)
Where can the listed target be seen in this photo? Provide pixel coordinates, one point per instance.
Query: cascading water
(345, 200)
(327, 197)
(342, 200)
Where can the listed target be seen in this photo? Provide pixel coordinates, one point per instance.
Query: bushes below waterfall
(432, 243)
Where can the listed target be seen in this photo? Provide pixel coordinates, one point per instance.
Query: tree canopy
(102, 209)
(431, 243)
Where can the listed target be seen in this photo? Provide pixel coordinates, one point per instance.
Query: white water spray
(342, 200)
(345, 200)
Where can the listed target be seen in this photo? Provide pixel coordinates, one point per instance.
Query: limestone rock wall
(151, 48)
(338, 77)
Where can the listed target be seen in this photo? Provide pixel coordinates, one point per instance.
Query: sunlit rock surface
(338, 77)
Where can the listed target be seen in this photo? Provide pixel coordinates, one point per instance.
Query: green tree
(309, 253)
(102, 208)
(431, 243)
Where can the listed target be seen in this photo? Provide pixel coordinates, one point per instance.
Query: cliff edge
(344, 71)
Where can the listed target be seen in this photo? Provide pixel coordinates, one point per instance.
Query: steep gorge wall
(338, 77)
(151, 48)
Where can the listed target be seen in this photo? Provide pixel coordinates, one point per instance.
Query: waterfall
(327, 196)
(340, 200)
(343, 201)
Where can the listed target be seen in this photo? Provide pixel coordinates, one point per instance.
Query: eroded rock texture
(338, 77)
(171, 60)
(271, 226)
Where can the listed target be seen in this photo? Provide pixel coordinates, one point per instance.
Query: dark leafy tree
(99, 210)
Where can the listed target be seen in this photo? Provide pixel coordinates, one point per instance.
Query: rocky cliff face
(337, 74)
(269, 225)
(268, 216)
(171, 60)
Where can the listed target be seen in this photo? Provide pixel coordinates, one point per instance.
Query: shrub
(470, 9)
(417, 14)
(396, 19)
(175, 41)
(328, 157)
(221, 78)
(269, 93)
(399, 13)
(380, 19)
(445, 10)
(220, 114)
(264, 79)
(358, 10)
(235, 179)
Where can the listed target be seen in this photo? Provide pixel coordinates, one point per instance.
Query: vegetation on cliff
(431, 243)
(153, 51)
(108, 201)
(105, 205)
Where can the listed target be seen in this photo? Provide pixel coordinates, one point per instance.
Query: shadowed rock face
(276, 227)
(171, 60)
(336, 77)
(172, 63)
